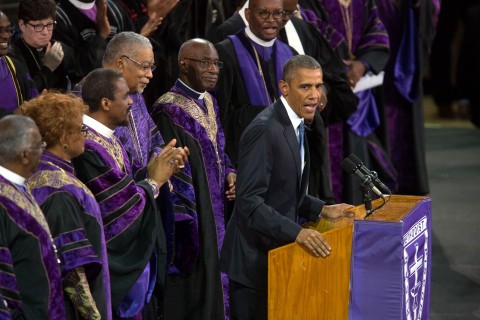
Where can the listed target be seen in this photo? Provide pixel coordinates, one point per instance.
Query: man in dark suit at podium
(273, 169)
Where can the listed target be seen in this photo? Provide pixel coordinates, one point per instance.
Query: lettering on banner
(415, 254)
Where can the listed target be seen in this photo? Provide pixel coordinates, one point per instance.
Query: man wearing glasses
(189, 113)
(305, 38)
(253, 61)
(51, 64)
(131, 54)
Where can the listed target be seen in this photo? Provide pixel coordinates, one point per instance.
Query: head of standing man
(131, 54)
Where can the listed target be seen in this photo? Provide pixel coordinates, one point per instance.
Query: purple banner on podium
(391, 267)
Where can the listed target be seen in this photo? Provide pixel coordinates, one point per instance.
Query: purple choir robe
(31, 274)
(357, 33)
(133, 232)
(77, 230)
(16, 85)
(198, 195)
(403, 90)
(140, 137)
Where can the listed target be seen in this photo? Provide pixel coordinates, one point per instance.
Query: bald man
(189, 114)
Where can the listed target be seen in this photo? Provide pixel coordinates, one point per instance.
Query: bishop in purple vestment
(189, 114)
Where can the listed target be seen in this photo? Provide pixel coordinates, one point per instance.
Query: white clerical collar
(257, 40)
(293, 37)
(241, 12)
(12, 176)
(98, 126)
(294, 118)
(201, 95)
(82, 5)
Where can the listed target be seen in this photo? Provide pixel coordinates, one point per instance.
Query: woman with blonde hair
(70, 208)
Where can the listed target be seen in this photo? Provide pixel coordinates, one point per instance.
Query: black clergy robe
(236, 110)
(82, 34)
(133, 230)
(194, 285)
(65, 76)
(341, 100)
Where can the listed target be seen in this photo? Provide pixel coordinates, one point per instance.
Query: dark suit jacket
(271, 196)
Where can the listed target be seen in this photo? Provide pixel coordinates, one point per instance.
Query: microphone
(358, 163)
(350, 167)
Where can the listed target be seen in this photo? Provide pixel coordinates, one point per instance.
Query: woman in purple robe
(70, 208)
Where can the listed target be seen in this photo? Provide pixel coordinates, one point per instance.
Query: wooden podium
(379, 268)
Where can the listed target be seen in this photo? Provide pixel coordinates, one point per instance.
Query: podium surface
(379, 268)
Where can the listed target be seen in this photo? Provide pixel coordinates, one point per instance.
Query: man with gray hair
(131, 54)
(31, 275)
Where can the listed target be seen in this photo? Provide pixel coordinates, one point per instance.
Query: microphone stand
(367, 200)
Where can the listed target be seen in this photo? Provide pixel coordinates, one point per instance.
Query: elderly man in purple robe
(30, 277)
(131, 55)
(189, 114)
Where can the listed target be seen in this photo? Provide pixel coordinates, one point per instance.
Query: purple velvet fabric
(7, 88)
(141, 137)
(22, 210)
(365, 119)
(55, 174)
(254, 84)
(128, 213)
(8, 279)
(215, 173)
(403, 111)
(109, 206)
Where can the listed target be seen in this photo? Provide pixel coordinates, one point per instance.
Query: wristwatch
(155, 187)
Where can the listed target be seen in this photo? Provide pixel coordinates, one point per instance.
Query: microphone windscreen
(348, 166)
(355, 159)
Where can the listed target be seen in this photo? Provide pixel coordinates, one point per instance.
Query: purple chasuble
(53, 175)
(141, 137)
(27, 215)
(252, 79)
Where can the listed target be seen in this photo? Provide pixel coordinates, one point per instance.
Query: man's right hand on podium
(314, 241)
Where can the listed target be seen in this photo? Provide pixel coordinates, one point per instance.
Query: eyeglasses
(265, 14)
(39, 27)
(205, 64)
(84, 130)
(8, 30)
(42, 146)
(288, 13)
(145, 67)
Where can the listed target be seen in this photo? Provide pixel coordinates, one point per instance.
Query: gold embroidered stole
(207, 120)
(112, 146)
(55, 179)
(26, 202)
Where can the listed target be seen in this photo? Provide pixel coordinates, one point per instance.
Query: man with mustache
(131, 54)
(189, 114)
